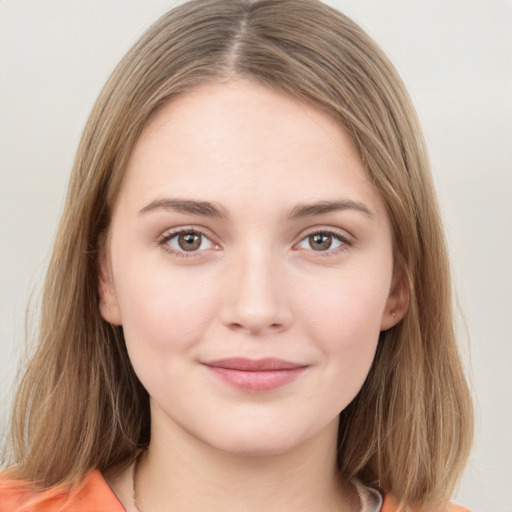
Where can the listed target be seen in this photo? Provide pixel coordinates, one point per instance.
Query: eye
(324, 241)
(186, 242)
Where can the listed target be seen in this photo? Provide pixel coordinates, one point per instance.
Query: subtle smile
(256, 375)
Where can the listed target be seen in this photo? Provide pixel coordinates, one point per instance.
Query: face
(250, 264)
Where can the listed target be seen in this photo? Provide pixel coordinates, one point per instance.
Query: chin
(270, 440)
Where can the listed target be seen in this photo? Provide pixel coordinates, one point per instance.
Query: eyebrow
(215, 210)
(322, 207)
(191, 206)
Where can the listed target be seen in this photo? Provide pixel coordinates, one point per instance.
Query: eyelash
(173, 234)
(337, 235)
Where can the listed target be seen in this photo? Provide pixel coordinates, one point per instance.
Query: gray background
(456, 59)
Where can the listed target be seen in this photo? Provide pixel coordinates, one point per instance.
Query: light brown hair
(80, 405)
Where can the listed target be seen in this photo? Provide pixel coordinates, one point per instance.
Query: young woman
(248, 304)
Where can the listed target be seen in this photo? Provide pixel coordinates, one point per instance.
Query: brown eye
(320, 242)
(325, 241)
(189, 241)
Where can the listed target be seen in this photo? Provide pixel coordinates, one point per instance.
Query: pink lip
(256, 374)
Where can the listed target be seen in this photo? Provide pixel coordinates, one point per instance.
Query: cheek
(165, 316)
(346, 307)
(344, 320)
(163, 310)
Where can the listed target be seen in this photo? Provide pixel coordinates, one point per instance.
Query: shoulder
(92, 495)
(389, 505)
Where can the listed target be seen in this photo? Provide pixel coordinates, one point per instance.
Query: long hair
(410, 427)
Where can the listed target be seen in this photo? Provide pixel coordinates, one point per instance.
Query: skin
(257, 286)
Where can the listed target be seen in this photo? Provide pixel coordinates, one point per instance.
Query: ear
(109, 307)
(398, 300)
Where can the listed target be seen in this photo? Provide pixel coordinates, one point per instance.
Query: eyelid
(340, 235)
(172, 233)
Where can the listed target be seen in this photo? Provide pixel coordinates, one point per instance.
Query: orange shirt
(93, 495)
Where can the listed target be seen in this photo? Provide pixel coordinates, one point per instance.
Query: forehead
(242, 141)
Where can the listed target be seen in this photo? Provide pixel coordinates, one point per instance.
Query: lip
(255, 375)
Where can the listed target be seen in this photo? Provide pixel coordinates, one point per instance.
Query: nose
(255, 298)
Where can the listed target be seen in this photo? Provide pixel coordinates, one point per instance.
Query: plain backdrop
(455, 57)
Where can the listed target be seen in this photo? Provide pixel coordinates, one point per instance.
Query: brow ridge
(324, 207)
(215, 210)
(190, 206)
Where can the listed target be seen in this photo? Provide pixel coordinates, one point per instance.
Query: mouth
(255, 375)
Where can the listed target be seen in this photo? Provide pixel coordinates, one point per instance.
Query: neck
(180, 472)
